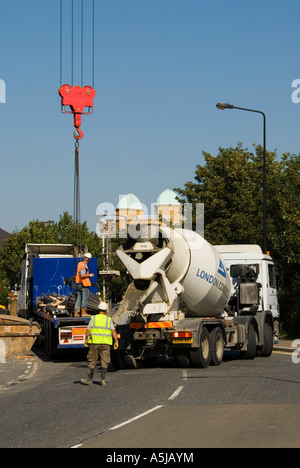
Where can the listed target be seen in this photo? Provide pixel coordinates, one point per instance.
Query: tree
(284, 195)
(230, 186)
(4, 288)
(62, 232)
(39, 232)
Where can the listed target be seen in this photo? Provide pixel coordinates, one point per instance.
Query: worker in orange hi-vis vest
(83, 283)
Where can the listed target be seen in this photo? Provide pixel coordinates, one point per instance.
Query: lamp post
(223, 106)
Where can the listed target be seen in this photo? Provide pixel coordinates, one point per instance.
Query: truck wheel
(130, 362)
(150, 361)
(216, 346)
(267, 348)
(39, 342)
(250, 353)
(182, 357)
(48, 333)
(117, 360)
(200, 357)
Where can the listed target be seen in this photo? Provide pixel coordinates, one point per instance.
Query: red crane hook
(79, 134)
(77, 99)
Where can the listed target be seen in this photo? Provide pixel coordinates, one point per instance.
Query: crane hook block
(80, 101)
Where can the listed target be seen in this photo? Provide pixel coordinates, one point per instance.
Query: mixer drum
(200, 269)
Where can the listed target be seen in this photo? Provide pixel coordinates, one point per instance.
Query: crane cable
(76, 212)
(81, 42)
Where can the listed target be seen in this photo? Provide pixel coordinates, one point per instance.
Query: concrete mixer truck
(184, 302)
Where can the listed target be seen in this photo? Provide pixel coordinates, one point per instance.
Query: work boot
(103, 375)
(89, 380)
(76, 314)
(84, 313)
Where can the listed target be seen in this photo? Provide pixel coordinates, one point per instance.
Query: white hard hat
(88, 255)
(103, 306)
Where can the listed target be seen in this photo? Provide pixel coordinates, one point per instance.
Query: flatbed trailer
(44, 270)
(61, 333)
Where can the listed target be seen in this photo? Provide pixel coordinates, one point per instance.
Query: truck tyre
(182, 358)
(250, 353)
(117, 360)
(216, 346)
(200, 357)
(121, 359)
(48, 333)
(267, 348)
(130, 362)
(150, 361)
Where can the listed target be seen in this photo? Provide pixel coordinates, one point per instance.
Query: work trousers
(82, 297)
(96, 351)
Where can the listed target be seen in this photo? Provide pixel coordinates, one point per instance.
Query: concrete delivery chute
(193, 302)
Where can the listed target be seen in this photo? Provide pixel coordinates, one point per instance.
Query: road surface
(239, 404)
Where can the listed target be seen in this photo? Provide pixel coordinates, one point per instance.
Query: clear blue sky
(161, 67)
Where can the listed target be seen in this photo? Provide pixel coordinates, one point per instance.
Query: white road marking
(172, 397)
(135, 418)
(176, 393)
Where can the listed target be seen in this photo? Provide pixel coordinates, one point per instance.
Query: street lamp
(223, 106)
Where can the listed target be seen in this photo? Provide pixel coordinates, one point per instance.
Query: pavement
(15, 371)
(287, 345)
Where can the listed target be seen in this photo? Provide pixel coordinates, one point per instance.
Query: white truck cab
(263, 270)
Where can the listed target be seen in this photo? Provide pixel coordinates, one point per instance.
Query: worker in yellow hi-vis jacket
(99, 336)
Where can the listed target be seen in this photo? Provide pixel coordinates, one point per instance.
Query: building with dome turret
(169, 209)
(128, 209)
